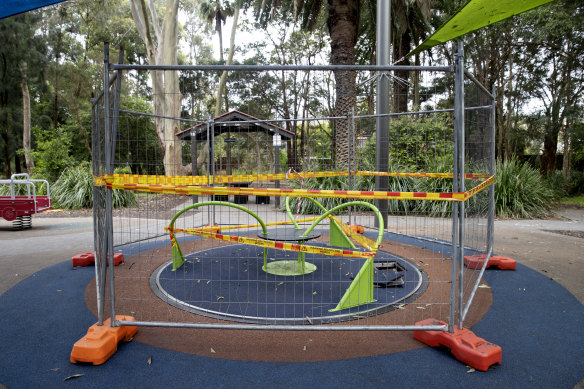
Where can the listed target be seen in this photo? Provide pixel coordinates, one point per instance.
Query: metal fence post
(382, 104)
(459, 114)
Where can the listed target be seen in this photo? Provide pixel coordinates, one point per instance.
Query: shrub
(521, 191)
(74, 189)
(52, 154)
(565, 188)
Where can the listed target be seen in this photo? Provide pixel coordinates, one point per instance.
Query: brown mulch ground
(136, 298)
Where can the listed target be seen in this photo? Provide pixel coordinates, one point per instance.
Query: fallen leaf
(281, 283)
(470, 370)
(149, 362)
(309, 320)
(208, 282)
(314, 293)
(198, 281)
(73, 376)
(420, 307)
(55, 369)
(401, 306)
(484, 286)
(219, 298)
(212, 351)
(59, 290)
(304, 348)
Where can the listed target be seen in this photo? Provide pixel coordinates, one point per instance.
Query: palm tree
(410, 24)
(216, 13)
(343, 25)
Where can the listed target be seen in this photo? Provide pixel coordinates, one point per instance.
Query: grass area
(578, 201)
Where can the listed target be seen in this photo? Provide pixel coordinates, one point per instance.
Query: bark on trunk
(550, 147)
(223, 80)
(26, 133)
(165, 86)
(401, 85)
(343, 20)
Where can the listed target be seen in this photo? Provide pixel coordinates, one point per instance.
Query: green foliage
(22, 190)
(419, 142)
(74, 189)
(578, 201)
(521, 191)
(52, 153)
(136, 140)
(563, 187)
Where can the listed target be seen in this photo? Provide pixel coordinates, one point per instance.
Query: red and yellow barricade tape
(186, 185)
(369, 244)
(275, 244)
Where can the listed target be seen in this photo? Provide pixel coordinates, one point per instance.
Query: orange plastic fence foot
(463, 344)
(118, 258)
(477, 261)
(87, 259)
(101, 342)
(84, 259)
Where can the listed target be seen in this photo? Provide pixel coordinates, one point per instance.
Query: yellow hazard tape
(184, 185)
(275, 244)
(245, 178)
(369, 244)
(488, 182)
(241, 226)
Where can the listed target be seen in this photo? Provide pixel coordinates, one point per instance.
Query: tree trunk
(6, 154)
(165, 86)
(401, 47)
(416, 103)
(567, 162)
(223, 80)
(343, 21)
(550, 147)
(26, 133)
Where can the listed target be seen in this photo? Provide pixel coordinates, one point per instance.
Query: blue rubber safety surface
(537, 322)
(228, 281)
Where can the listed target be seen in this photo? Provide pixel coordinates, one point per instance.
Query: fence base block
(477, 261)
(101, 342)
(84, 259)
(87, 259)
(463, 344)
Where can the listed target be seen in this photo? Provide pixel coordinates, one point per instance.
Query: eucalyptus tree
(160, 35)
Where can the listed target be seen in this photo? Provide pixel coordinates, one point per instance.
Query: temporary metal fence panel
(210, 246)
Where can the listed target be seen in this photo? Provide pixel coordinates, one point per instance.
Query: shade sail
(474, 15)
(13, 7)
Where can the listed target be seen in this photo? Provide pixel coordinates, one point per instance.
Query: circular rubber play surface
(228, 283)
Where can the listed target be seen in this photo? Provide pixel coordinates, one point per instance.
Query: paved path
(560, 257)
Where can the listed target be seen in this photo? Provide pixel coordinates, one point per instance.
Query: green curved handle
(178, 258)
(289, 212)
(224, 203)
(345, 205)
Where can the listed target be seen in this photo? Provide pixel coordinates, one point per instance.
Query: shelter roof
(234, 122)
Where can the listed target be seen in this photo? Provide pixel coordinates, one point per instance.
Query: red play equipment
(19, 207)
